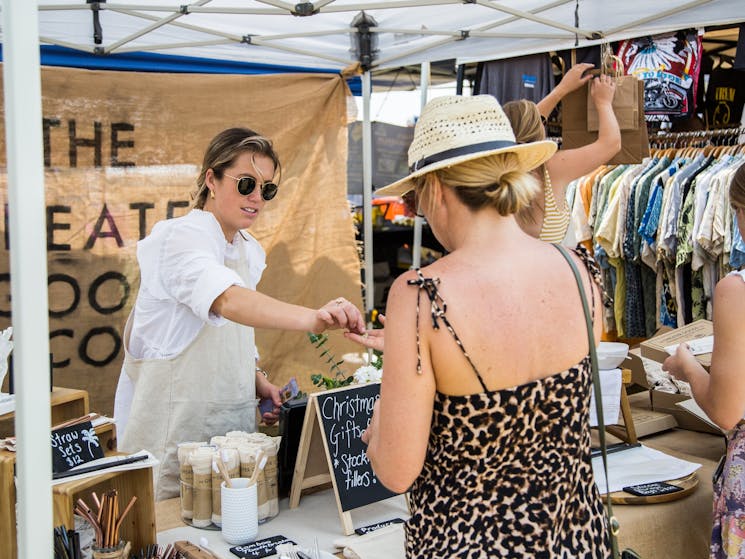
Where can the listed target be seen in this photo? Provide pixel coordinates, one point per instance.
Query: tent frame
(22, 87)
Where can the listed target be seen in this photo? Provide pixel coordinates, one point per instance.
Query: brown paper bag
(626, 105)
(575, 133)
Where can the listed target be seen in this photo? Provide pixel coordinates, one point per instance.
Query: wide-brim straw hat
(454, 129)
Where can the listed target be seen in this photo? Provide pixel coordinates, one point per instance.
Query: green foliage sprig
(337, 376)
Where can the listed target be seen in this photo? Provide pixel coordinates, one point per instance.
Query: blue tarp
(151, 62)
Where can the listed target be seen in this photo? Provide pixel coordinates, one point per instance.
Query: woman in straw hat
(484, 410)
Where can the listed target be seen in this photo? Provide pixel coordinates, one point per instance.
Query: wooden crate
(139, 524)
(67, 403)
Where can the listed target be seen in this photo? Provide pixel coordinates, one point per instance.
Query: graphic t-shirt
(669, 64)
(725, 97)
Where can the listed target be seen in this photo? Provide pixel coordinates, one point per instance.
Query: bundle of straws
(66, 543)
(106, 521)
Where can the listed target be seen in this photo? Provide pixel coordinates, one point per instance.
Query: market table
(682, 528)
(679, 529)
(317, 516)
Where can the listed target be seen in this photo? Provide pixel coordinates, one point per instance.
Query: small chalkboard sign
(260, 548)
(650, 489)
(74, 445)
(377, 526)
(338, 418)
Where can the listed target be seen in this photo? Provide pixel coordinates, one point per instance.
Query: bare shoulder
(731, 288)
(729, 297)
(402, 296)
(402, 286)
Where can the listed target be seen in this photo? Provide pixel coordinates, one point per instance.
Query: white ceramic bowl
(611, 354)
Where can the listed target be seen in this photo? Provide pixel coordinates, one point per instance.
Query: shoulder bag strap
(613, 525)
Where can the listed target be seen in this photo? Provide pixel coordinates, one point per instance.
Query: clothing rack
(693, 138)
(697, 138)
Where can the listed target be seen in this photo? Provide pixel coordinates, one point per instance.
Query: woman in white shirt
(721, 394)
(189, 370)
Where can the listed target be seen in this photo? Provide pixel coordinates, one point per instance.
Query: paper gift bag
(626, 105)
(575, 132)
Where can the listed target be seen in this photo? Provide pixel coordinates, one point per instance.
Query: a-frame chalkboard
(330, 449)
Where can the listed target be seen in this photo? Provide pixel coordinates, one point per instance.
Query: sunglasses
(246, 185)
(411, 202)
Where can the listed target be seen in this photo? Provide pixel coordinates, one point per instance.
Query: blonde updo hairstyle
(222, 152)
(525, 119)
(494, 181)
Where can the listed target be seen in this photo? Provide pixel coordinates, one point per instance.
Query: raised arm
(569, 164)
(573, 79)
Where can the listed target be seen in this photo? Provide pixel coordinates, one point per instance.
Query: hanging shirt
(669, 65)
(725, 97)
(522, 77)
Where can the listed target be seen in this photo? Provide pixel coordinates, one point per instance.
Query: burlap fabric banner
(122, 151)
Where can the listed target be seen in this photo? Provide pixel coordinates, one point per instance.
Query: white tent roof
(407, 31)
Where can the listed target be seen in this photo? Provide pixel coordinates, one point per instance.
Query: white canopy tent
(317, 35)
(329, 34)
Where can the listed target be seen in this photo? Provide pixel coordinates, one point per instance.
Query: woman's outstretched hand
(339, 313)
(372, 339)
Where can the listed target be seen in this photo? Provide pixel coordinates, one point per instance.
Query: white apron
(208, 389)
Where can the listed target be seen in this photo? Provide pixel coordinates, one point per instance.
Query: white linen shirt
(182, 272)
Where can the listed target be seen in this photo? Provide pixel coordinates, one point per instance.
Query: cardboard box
(634, 362)
(648, 422)
(665, 402)
(654, 347)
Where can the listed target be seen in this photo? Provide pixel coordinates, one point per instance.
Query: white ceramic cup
(240, 518)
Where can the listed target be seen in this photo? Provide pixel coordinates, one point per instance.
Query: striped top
(555, 218)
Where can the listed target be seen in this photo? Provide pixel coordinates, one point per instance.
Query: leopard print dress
(508, 472)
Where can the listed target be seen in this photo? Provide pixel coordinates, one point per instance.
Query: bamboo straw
(223, 470)
(260, 463)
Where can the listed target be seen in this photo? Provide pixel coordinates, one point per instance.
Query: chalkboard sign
(260, 548)
(331, 449)
(377, 526)
(344, 416)
(73, 446)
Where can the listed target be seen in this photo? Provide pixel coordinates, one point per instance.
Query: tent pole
(460, 78)
(367, 224)
(28, 264)
(416, 255)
